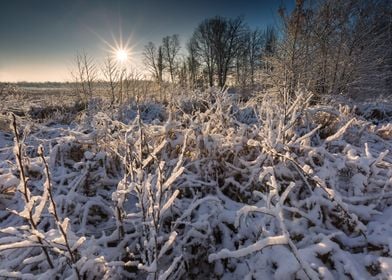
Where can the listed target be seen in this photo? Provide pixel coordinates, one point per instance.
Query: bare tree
(248, 58)
(269, 49)
(227, 44)
(79, 76)
(270, 42)
(86, 74)
(91, 72)
(170, 49)
(153, 58)
(218, 40)
(255, 43)
(242, 62)
(161, 64)
(336, 46)
(193, 63)
(292, 50)
(112, 76)
(183, 76)
(203, 46)
(369, 70)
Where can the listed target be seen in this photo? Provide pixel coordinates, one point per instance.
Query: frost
(233, 190)
(259, 245)
(88, 155)
(168, 244)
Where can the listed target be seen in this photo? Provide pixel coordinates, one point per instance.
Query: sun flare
(121, 55)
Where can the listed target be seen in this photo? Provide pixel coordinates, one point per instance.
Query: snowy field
(202, 188)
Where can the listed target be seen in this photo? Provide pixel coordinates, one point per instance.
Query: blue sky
(39, 38)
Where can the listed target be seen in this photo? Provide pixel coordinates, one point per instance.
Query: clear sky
(39, 38)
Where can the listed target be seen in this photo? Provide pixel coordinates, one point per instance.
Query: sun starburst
(121, 55)
(119, 50)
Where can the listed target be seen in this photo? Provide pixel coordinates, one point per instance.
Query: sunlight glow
(120, 50)
(121, 55)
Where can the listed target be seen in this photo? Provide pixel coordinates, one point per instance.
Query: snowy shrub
(149, 112)
(203, 188)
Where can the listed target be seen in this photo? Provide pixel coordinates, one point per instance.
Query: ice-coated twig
(53, 210)
(25, 190)
(258, 246)
(340, 132)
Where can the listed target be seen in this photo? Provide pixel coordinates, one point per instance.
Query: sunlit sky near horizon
(40, 38)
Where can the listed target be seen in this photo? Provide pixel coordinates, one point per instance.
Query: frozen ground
(201, 188)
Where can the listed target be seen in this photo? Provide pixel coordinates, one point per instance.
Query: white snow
(235, 191)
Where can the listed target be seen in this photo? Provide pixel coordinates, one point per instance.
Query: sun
(121, 55)
(119, 50)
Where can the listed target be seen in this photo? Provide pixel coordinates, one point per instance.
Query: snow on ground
(202, 188)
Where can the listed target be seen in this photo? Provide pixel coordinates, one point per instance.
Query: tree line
(329, 46)
(335, 46)
(326, 46)
(219, 50)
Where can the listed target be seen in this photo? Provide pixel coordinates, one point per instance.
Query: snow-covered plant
(214, 187)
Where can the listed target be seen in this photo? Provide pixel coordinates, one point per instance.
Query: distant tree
(218, 41)
(192, 63)
(248, 59)
(269, 49)
(91, 71)
(153, 59)
(86, 73)
(202, 47)
(79, 76)
(112, 76)
(270, 41)
(242, 62)
(255, 43)
(170, 50)
(183, 76)
(293, 47)
(227, 43)
(161, 64)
